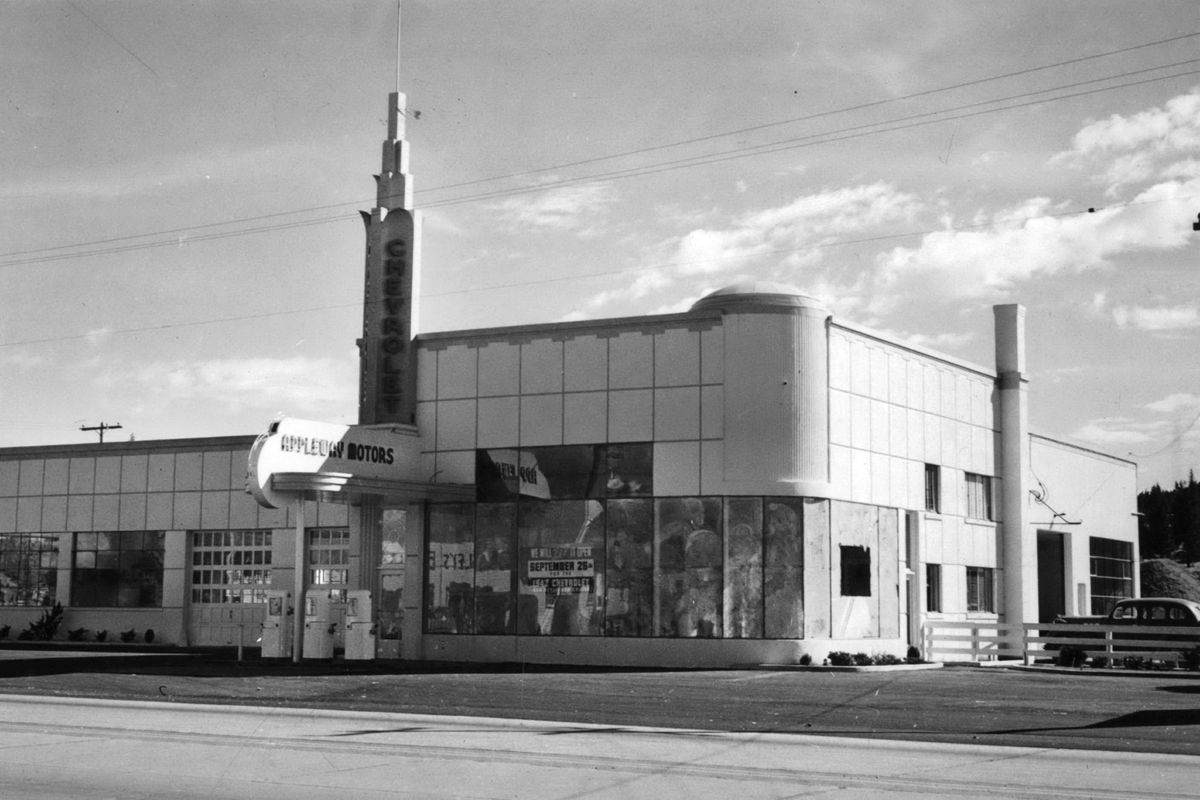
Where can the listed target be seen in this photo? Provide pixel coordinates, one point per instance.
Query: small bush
(44, 628)
(840, 658)
(101, 636)
(913, 656)
(129, 635)
(805, 660)
(1071, 657)
(5, 630)
(887, 659)
(863, 660)
(149, 635)
(77, 634)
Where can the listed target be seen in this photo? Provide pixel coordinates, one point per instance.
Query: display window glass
(561, 567)
(450, 568)
(495, 567)
(118, 569)
(743, 568)
(783, 568)
(564, 472)
(629, 578)
(688, 559)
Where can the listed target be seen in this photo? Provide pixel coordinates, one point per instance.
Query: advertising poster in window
(562, 567)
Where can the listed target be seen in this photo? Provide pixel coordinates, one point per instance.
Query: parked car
(1170, 612)
(1155, 611)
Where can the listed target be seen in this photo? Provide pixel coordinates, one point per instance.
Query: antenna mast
(398, 47)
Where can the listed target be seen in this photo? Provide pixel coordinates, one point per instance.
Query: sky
(181, 250)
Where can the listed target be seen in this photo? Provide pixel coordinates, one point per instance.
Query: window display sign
(305, 447)
(561, 568)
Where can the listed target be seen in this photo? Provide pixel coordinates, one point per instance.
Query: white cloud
(566, 208)
(1030, 240)
(20, 360)
(1174, 403)
(1119, 432)
(297, 385)
(1172, 318)
(1134, 148)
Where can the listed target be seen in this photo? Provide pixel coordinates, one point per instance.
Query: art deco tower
(387, 356)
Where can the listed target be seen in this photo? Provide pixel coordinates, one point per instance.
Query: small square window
(856, 571)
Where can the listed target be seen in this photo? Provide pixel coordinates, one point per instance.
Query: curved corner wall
(776, 398)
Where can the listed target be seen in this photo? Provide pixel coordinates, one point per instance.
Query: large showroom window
(118, 569)
(571, 541)
(28, 569)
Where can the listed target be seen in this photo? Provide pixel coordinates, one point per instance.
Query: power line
(832, 136)
(817, 115)
(809, 140)
(579, 276)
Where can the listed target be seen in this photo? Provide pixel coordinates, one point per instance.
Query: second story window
(979, 496)
(933, 488)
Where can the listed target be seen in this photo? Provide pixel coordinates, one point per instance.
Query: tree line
(1169, 525)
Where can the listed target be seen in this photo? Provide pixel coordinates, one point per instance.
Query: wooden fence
(977, 640)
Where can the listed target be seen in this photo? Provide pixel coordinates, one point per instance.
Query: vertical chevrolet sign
(387, 359)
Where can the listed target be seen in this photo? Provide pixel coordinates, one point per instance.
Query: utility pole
(101, 428)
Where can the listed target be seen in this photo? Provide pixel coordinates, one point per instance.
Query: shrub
(129, 635)
(44, 628)
(840, 658)
(5, 631)
(101, 636)
(887, 659)
(805, 660)
(913, 656)
(77, 634)
(863, 660)
(149, 635)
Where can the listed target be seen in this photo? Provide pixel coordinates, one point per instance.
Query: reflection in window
(390, 611)
(784, 569)
(561, 567)
(28, 569)
(564, 472)
(118, 569)
(450, 568)
(231, 566)
(743, 568)
(495, 567)
(329, 560)
(689, 560)
(629, 578)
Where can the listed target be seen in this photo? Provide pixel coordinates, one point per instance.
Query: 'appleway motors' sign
(297, 446)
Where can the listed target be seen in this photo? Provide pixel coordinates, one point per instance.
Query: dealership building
(746, 482)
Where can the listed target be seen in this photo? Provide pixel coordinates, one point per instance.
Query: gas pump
(319, 626)
(360, 627)
(277, 626)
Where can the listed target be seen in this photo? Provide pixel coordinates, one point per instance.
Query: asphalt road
(1092, 710)
(85, 749)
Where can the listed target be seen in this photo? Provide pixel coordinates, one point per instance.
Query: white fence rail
(972, 640)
